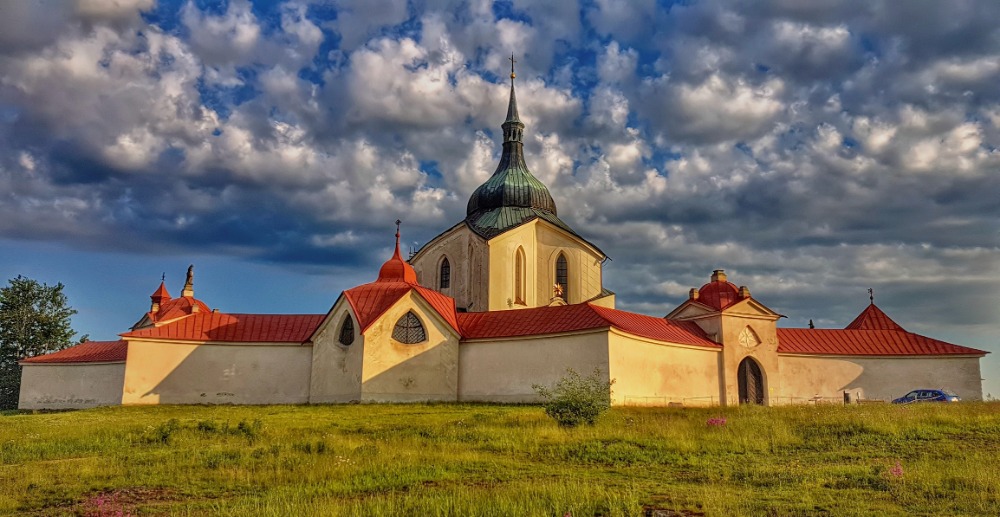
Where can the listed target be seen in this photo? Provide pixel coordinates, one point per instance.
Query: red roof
(248, 328)
(872, 318)
(577, 317)
(88, 352)
(370, 301)
(872, 333)
(161, 294)
(396, 269)
(865, 342)
(177, 308)
(396, 278)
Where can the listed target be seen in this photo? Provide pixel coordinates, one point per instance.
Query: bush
(575, 399)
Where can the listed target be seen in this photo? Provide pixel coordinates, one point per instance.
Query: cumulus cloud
(813, 149)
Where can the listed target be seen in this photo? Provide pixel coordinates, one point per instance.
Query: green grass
(502, 460)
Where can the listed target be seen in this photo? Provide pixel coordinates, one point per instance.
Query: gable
(426, 311)
(688, 310)
(750, 308)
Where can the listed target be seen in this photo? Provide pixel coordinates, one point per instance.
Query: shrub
(576, 399)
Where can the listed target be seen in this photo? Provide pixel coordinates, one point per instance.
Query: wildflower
(716, 422)
(897, 471)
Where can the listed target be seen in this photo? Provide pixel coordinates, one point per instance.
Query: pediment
(688, 310)
(751, 308)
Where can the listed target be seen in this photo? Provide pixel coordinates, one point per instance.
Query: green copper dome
(512, 196)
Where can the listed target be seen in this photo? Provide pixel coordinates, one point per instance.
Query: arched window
(444, 278)
(347, 331)
(409, 330)
(519, 276)
(562, 275)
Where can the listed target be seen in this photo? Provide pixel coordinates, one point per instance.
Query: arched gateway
(751, 382)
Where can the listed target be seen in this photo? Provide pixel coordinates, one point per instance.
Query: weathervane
(871, 295)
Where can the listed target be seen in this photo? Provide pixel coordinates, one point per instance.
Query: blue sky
(811, 149)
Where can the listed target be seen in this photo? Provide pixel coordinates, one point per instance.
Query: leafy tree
(34, 320)
(576, 399)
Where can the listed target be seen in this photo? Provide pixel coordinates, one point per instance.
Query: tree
(34, 320)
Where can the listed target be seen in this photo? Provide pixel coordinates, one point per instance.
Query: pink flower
(716, 422)
(897, 471)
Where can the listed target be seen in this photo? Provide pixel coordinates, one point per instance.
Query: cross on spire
(512, 62)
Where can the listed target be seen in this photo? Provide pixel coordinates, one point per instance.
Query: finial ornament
(189, 283)
(512, 62)
(871, 295)
(398, 222)
(163, 277)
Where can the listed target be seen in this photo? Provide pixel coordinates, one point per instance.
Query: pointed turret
(159, 297)
(872, 318)
(396, 269)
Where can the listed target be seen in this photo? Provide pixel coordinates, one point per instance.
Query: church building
(507, 298)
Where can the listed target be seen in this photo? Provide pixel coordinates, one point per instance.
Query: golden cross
(512, 61)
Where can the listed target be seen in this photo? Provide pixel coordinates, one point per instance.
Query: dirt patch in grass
(122, 502)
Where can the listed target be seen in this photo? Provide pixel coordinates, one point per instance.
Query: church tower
(512, 251)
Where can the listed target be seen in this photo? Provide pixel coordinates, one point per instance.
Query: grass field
(502, 460)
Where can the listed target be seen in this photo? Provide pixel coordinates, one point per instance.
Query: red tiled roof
(570, 318)
(370, 301)
(88, 352)
(872, 333)
(251, 328)
(865, 342)
(872, 318)
(177, 308)
(719, 294)
(396, 278)
(660, 329)
(161, 294)
(396, 269)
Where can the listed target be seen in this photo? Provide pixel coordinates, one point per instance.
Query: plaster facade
(874, 378)
(652, 373)
(335, 367)
(71, 386)
(397, 372)
(504, 370)
(168, 372)
(468, 259)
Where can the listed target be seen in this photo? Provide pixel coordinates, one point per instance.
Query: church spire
(512, 117)
(512, 188)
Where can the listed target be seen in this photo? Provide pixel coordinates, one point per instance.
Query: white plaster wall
(502, 269)
(399, 372)
(657, 374)
(505, 370)
(468, 272)
(336, 368)
(885, 378)
(180, 373)
(584, 264)
(71, 386)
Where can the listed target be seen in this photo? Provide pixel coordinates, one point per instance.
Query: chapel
(508, 298)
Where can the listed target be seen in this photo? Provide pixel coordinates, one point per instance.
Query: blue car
(927, 396)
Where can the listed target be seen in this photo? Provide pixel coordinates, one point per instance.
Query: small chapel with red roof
(508, 298)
